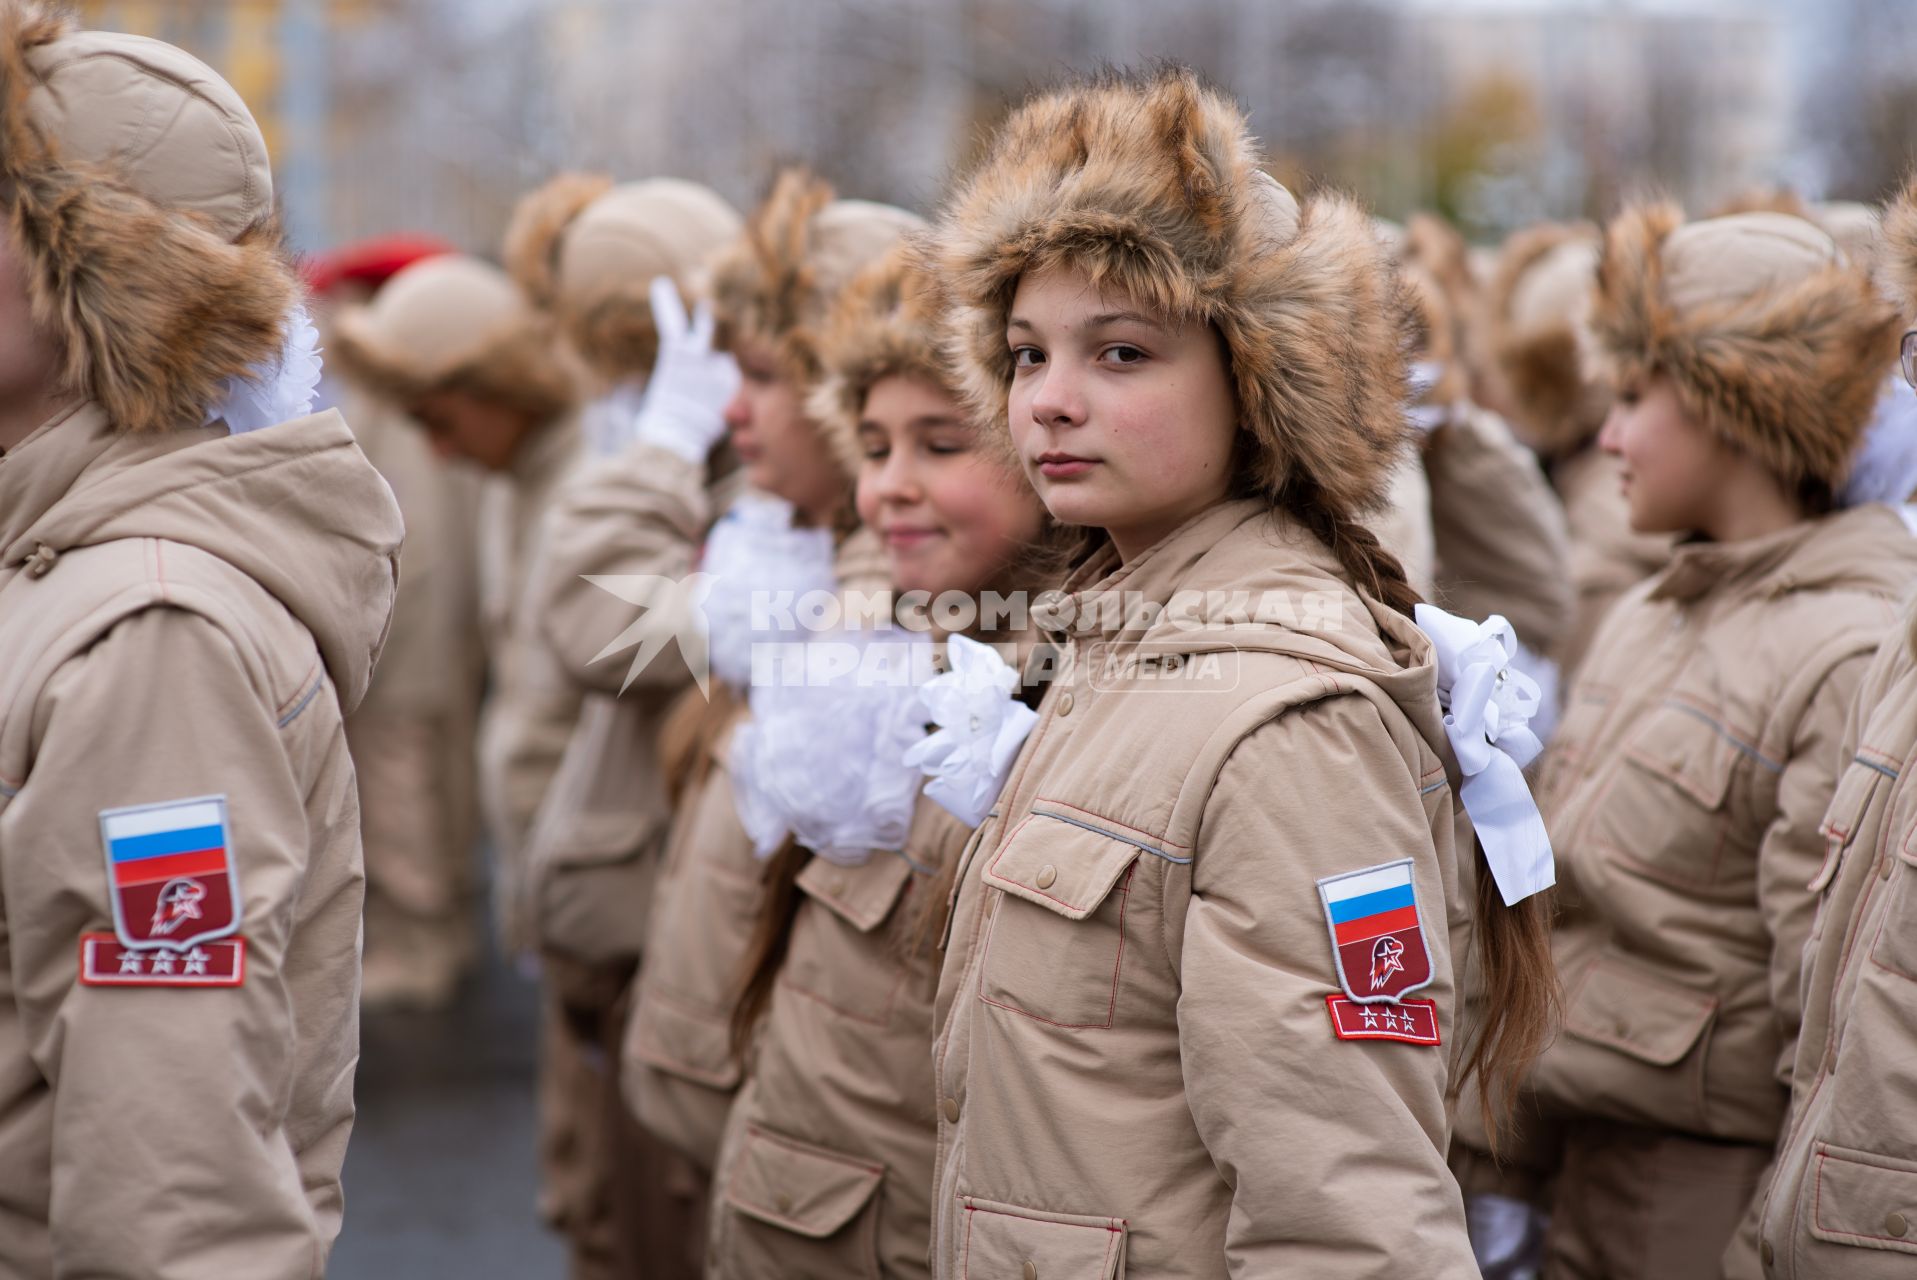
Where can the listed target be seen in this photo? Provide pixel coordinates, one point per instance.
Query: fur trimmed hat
(1772, 338)
(139, 201)
(589, 251)
(886, 323)
(1434, 330)
(1152, 186)
(454, 323)
(776, 283)
(1897, 243)
(1534, 320)
(1853, 226)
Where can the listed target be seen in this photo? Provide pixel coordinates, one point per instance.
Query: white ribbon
(1425, 374)
(277, 390)
(1488, 705)
(755, 557)
(982, 725)
(1884, 466)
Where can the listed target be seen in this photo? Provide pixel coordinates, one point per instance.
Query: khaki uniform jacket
(1501, 542)
(1136, 1067)
(182, 615)
(828, 1159)
(677, 1069)
(1607, 558)
(531, 707)
(597, 842)
(1684, 792)
(1843, 1199)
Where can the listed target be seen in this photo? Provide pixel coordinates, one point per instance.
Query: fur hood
(886, 323)
(1533, 322)
(1771, 336)
(138, 197)
(776, 283)
(588, 252)
(1898, 240)
(1152, 186)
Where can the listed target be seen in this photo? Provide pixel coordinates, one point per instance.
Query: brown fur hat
(1153, 187)
(589, 252)
(1898, 246)
(1534, 312)
(776, 283)
(454, 323)
(886, 323)
(1772, 338)
(139, 200)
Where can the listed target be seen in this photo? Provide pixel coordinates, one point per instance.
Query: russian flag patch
(172, 875)
(1377, 938)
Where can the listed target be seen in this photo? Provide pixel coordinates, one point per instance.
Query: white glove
(684, 406)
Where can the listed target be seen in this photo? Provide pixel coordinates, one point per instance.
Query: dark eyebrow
(1016, 323)
(1122, 317)
(933, 421)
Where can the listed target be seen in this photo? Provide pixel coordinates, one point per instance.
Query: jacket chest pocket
(1895, 946)
(1056, 947)
(840, 956)
(1665, 809)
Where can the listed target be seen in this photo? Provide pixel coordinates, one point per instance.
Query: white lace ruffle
(277, 390)
(982, 725)
(753, 551)
(823, 757)
(1884, 468)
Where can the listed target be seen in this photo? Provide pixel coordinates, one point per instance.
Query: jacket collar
(1807, 554)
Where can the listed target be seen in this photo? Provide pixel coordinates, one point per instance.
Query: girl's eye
(1123, 354)
(1027, 357)
(1627, 395)
(875, 452)
(945, 448)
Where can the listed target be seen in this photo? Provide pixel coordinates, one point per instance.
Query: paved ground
(440, 1174)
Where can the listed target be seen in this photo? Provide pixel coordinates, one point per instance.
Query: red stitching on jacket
(1111, 1009)
(1817, 1208)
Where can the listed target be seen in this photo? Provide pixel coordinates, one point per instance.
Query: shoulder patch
(1409, 1021)
(171, 872)
(1377, 937)
(104, 962)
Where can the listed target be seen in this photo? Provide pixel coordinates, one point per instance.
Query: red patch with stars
(1411, 1021)
(106, 962)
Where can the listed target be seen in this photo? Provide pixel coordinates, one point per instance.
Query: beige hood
(296, 507)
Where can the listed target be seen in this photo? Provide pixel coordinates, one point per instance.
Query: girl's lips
(908, 539)
(1063, 466)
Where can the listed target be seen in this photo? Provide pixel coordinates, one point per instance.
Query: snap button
(40, 563)
(1065, 703)
(782, 1202)
(1896, 1224)
(1768, 1254)
(1029, 1271)
(1047, 876)
(951, 1110)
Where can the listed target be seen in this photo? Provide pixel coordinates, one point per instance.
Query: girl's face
(461, 425)
(1121, 421)
(779, 447)
(953, 516)
(1674, 466)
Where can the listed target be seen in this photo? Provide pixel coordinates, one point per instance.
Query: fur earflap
(1151, 186)
(761, 286)
(539, 221)
(1789, 372)
(1899, 238)
(1555, 402)
(885, 324)
(154, 311)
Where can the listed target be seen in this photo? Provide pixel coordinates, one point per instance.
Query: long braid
(1373, 569)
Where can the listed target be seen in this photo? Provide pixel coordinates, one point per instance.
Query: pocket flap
(1637, 1013)
(862, 896)
(683, 1042)
(1690, 749)
(598, 838)
(1865, 1199)
(804, 1189)
(1005, 1240)
(1848, 806)
(1060, 864)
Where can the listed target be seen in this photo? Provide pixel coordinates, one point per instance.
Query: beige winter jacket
(1843, 1198)
(677, 1069)
(1500, 535)
(1684, 791)
(1607, 558)
(597, 841)
(1136, 1065)
(827, 1164)
(531, 707)
(183, 616)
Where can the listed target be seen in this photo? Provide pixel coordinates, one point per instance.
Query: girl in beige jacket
(1843, 1197)
(771, 290)
(1200, 1003)
(828, 1163)
(1698, 752)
